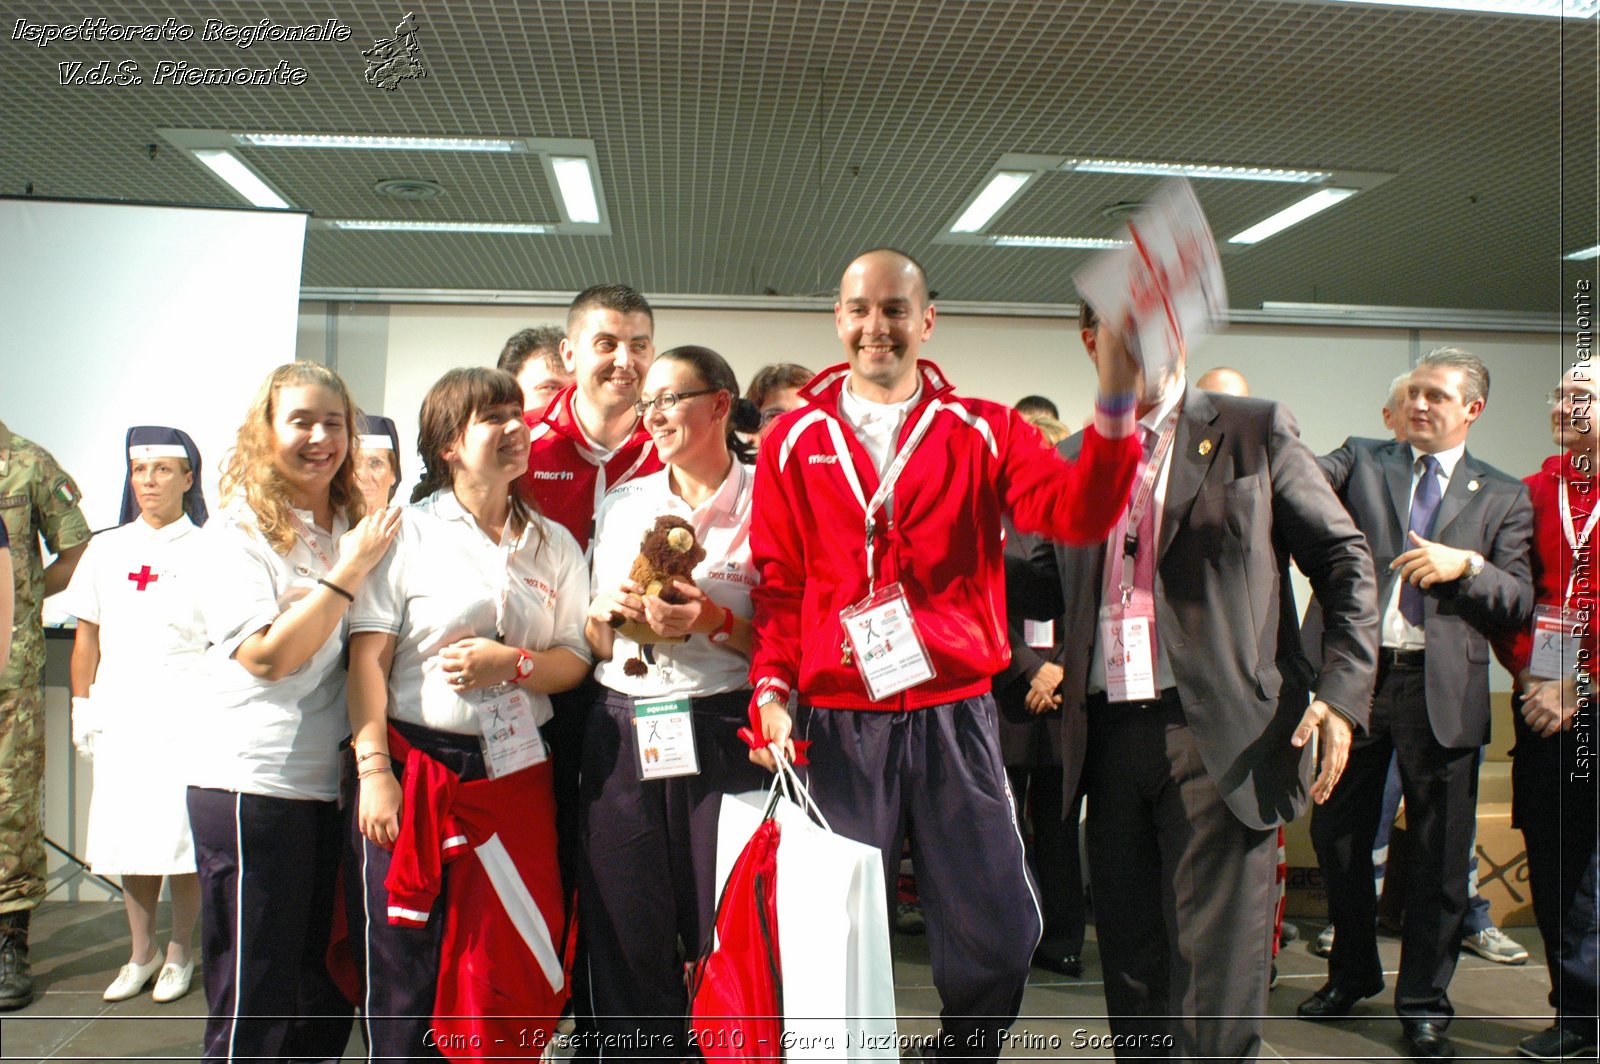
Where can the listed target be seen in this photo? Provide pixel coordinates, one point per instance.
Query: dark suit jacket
(1027, 739)
(1482, 510)
(1244, 495)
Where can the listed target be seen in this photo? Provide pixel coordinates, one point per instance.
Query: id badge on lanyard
(510, 738)
(664, 728)
(880, 632)
(883, 641)
(1128, 620)
(1130, 659)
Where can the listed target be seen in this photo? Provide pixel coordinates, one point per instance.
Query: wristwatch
(724, 630)
(771, 695)
(524, 665)
(1475, 566)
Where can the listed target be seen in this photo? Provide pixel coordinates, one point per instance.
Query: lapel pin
(1204, 448)
(1472, 485)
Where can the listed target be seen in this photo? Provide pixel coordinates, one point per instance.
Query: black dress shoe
(1428, 1041)
(1331, 1003)
(1069, 964)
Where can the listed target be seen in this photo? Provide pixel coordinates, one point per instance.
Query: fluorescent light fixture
(1000, 190)
(1584, 255)
(240, 177)
(378, 143)
(576, 182)
(1196, 170)
(375, 224)
(1552, 8)
(1090, 243)
(1294, 214)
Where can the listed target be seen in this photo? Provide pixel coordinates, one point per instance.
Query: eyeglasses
(667, 400)
(1577, 398)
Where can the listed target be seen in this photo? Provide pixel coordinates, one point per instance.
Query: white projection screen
(116, 314)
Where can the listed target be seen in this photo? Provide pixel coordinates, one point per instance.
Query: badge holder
(1555, 642)
(664, 732)
(507, 733)
(881, 638)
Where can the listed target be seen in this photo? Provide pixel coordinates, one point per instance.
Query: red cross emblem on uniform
(144, 577)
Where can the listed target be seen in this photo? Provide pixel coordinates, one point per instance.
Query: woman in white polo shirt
(138, 649)
(280, 566)
(650, 802)
(457, 642)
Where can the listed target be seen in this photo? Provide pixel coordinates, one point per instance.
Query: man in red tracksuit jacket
(886, 482)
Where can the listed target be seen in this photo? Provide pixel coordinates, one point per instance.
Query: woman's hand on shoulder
(365, 545)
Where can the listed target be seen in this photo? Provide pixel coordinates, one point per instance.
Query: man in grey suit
(1451, 536)
(1186, 704)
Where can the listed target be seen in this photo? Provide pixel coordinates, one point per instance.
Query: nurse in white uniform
(139, 643)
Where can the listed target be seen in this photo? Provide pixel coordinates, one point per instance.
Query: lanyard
(885, 489)
(1141, 502)
(1576, 542)
(509, 548)
(310, 541)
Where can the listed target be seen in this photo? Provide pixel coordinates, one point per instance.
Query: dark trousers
(648, 887)
(1183, 891)
(872, 772)
(1555, 808)
(1052, 853)
(398, 965)
(1440, 785)
(267, 871)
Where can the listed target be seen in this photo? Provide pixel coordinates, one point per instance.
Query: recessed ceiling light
(408, 188)
(1552, 8)
(378, 143)
(1293, 214)
(1092, 243)
(576, 182)
(240, 177)
(1586, 253)
(1000, 190)
(384, 225)
(1194, 170)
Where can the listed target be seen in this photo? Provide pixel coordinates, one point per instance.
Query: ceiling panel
(751, 146)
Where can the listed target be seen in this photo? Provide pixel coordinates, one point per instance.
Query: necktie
(1424, 506)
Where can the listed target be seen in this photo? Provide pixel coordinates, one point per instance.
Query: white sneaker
(173, 982)
(131, 980)
(1493, 944)
(1324, 942)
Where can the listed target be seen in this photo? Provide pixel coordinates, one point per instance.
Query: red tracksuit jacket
(565, 479)
(978, 462)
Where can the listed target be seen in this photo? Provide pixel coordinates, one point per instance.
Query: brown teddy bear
(668, 554)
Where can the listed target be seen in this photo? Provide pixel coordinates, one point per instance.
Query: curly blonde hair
(249, 469)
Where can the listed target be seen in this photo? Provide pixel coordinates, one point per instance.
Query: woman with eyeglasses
(457, 641)
(775, 390)
(662, 747)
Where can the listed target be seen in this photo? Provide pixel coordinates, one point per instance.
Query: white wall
(1334, 379)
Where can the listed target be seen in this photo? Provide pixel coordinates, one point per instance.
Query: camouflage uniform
(36, 499)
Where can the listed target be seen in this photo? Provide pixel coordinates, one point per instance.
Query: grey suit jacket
(1244, 495)
(1482, 510)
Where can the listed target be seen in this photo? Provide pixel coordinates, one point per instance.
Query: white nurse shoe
(173, 982)
(131, 980)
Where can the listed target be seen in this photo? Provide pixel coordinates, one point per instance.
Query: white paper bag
(833, 929)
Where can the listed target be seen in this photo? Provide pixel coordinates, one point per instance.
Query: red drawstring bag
(735, 987)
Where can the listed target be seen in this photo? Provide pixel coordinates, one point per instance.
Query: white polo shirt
(722, 525)
(276, 738)
(445, 580)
